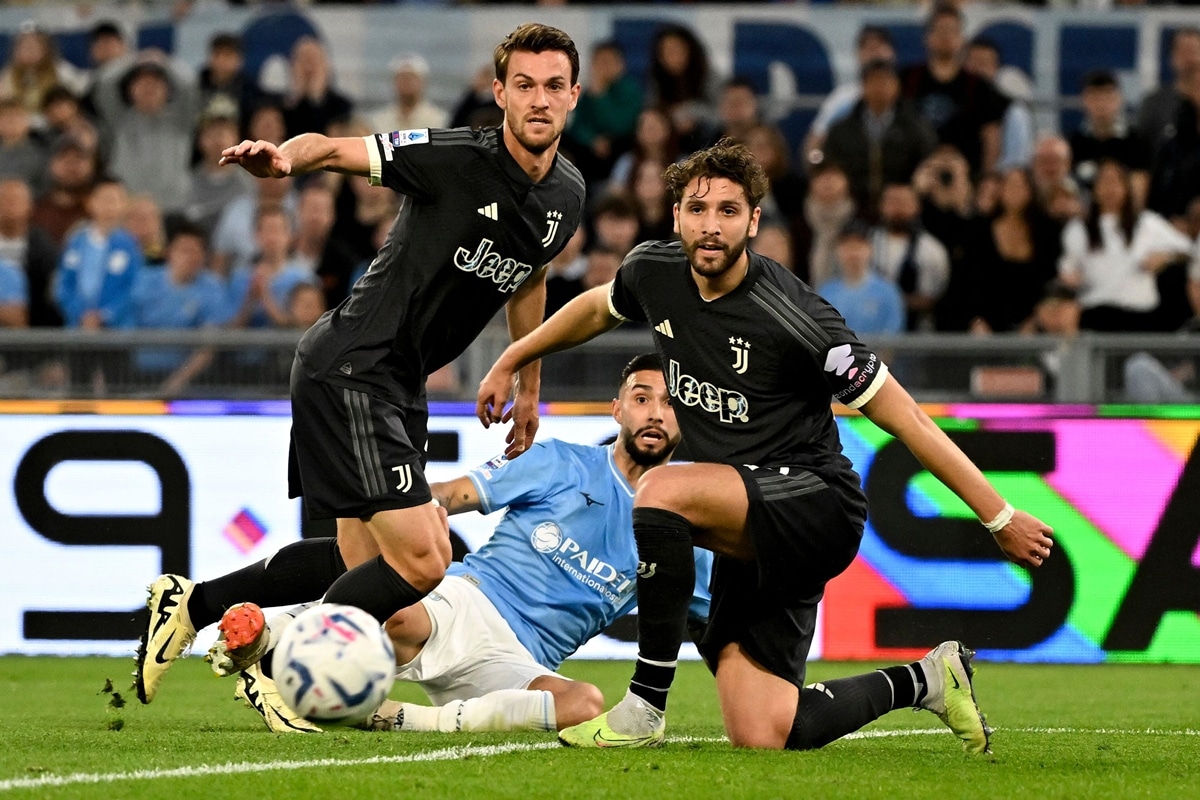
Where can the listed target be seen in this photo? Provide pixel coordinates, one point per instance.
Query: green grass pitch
(1116, 731)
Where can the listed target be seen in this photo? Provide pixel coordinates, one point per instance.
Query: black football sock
(665, 581)
(375, 588)
(830, 710)
(297, 573)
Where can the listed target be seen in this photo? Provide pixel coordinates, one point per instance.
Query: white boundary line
(467, 751)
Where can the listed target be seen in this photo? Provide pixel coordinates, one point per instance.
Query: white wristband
(1003, 518)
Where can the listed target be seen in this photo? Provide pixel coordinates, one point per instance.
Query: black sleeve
(622, 294)
(852, 370)
(408, 162)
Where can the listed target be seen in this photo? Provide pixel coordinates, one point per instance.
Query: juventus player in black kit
(483, 212)
(752, 357)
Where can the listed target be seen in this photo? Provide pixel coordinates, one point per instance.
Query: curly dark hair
(533, 37)
(727, 158)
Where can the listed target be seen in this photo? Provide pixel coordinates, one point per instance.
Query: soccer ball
(334, 664)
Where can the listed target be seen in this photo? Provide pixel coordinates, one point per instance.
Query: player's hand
(493, 394)
(1026, 540)
(261, 159)
(525, 421)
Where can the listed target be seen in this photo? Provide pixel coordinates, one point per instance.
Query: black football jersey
(472, 228)
(751, 373)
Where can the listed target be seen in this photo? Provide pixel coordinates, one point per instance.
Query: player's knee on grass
(755, 731)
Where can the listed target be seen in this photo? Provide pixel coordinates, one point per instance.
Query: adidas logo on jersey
(664, 328)
(491, 211)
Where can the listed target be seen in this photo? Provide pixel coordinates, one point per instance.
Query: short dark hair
(855, 229)
(57, 93)
(878, 65)
(617, 204)
(105, 28)
(987, 43)
(533, 37)
(1100, 79)
(187, 228)
(645, 361)
(740, 82)
(225, 41)
(874, 32)
(727, 158)
(940, 10)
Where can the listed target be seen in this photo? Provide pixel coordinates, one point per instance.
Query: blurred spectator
(987, 194)
(258, 294)
(964, 109)
(615, 224)
(870, 303)
(14, 296)
(605, 118)
(680, 83)
(362, 209)
(311, 102)
(266, 122)
(233, 241)
(411, 109)
(151, 110)
(477, 105)
(306, 304)
(315, 250)
(64, 116)
(1051, 169)
(223, 80)
(1148, 380)
(1104, 134)
(874, 43)
(213, 187)
(655, 139)
(108, 54)
(737, 110)
(564, 273)
(33, 69)
(144, 219)
(20, 155)
(29, 248)
(1012, 256)
(181, 294)
(1016, 127)
(784, 201)
(908, 256)
(100, 264)
(1159, 108)
(603, 263)
(1113, 255)
(943, 184)
(827, 209)
(64, 202)
(654, 201)
(882, 141)
(1175, 182)
(775, 242)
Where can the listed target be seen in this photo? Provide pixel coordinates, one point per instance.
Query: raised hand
(261, 159)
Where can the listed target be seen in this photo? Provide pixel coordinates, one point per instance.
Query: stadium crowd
(923, 198)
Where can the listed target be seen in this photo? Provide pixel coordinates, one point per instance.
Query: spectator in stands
(908, 256)
(21, 156)
(615, 223)
(874, 43)
(1013, 255)
(33, 69)
(827, 209)
(180, 294)
(606, 115)
(327, 259)
(1114, 254)
(775, 242)
(653, 199)
(109, 57)
(603, 263)
(30, 249)
(214, 187)
(964, 109)
(870, 303)
(564, 273)
(477, 105)
(987, 194)
(655, 139)
(258, 294)
(948, 207)
(233, 242)
(1175, 181)
(64, 116)
(882, 141)
(783, 204)
(737, 110)
(411, 109)
(680, 83)
(1016, 127)
(144, 219)
(311, 102)
(306, 304)
(266, 122)
(223, 78)
(151, 112)
(361, 210)
(1051, 170)
(14, 297)
(1105, 135)
(1159, 108)
(100, 264)
(71, 172)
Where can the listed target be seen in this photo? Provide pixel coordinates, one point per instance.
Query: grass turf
(1113, 731)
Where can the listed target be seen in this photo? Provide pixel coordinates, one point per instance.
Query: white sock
(505, 710)
(277, 623)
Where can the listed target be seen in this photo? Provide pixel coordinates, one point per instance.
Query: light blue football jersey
(562, 564)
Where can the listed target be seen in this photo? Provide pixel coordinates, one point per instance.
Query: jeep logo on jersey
(507, 273)
(725, 403)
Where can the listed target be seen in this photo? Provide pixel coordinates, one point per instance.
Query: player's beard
(648, 458)
(538, 145)
(712, 269)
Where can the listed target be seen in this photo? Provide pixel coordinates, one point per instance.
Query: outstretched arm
(307, 152)
(1025, 539)
(525, 312)
(457, 496)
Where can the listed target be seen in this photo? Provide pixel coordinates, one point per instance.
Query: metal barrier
(1089, 368)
